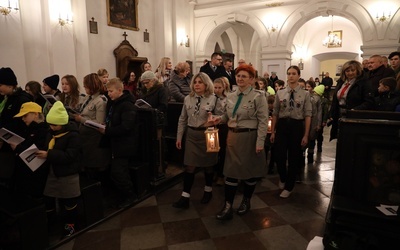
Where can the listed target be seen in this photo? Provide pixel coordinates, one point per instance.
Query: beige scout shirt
(191, 118)
(302, 104)
(95, 109)
(252, 112)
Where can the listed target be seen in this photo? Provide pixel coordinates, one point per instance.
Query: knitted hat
(270, 90)
(148, 75)
(7, 77)
(52, 81)
(57, 114)
(319, 89)
(28, 107)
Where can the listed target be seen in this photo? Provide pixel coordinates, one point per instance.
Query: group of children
(56, 135)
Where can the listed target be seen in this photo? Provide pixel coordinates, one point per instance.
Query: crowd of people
(93, 132)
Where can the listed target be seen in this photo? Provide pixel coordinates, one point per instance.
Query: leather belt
(241, 130)
(198, 128)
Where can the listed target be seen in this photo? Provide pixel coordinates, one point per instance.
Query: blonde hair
(102, 72)
(116, 83)
(206, 80)
(221, 80)
(163, 65)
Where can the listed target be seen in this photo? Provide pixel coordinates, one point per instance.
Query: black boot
(206, 197)
(226, 213)
(183, 202)
(244, 206)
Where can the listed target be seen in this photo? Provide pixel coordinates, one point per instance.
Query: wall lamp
(7, 10)
(185, 42)
(65, 21)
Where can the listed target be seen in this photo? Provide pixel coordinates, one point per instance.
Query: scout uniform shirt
(252, 112)
(302, 104)
(94, 108)
(192, 117)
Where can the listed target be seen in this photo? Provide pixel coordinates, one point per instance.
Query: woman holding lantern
(247, 118)
(194, 119)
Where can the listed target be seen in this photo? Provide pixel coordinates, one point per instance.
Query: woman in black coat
(153, 92)
(353, 91)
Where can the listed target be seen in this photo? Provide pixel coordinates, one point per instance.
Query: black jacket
(386, 101)
(231, 78)
(64, 157)
(374, 76)
(359, 97)
(26, 181)
(156, 97)
(11, 108)
(206, 68)
(120, 127)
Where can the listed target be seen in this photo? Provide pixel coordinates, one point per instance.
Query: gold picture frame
(123, 14)
(338, 33)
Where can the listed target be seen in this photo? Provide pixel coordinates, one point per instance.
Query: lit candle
(212, 144)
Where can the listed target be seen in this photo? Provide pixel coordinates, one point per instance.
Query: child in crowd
(388, 99)
(316, 120)
(220, 91)
(319, 90)
(63, 155)
(120, 129)
(50, 87)
(103, 75)
(28, 182)
(70, 96)
(279, 84)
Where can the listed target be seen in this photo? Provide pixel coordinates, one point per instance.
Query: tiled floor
(272, 223)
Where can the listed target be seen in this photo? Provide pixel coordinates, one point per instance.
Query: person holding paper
(14, 98)
(97, 159)
(27, 181)
(50, 87)
(70, 96)
(153, 92)
(63, 155)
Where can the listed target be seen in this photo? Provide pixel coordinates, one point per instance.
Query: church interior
(42, 38)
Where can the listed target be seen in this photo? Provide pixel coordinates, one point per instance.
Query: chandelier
(332, 40)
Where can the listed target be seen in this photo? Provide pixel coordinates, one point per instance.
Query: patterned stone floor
(272, 223)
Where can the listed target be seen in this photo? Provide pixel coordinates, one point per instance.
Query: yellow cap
(28, 107)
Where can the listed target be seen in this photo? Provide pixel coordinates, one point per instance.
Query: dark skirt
(241, 159)
(196, 150)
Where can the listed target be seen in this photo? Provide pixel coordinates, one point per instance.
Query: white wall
(35, 46)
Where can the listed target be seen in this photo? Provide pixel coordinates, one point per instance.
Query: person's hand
(178, 144)
(102, 130)
(272, 137)
(259, 149)
(77, 117)
(304, 141)
(13, 146)
(41, 154)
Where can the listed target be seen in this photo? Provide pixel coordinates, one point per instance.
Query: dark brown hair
(93, 83)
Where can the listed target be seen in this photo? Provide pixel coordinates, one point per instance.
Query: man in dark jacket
(327, 82)
(120, 129)
(213, 69)
(377, 71)
(229, 72)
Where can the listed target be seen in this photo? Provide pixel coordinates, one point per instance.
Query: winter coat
(120, 126)
(359, 97)
(26, 181)
(156, 96)
(178, 87)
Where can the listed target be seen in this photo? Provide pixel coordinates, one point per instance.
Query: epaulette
(104, 98)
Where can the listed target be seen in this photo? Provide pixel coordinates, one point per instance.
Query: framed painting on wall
(123, 14)
(338, 34)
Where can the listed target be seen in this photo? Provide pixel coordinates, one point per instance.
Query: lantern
(212, 140)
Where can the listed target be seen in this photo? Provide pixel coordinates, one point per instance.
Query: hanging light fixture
(332, 40)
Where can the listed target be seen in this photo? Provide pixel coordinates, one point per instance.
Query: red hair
(245, 67)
